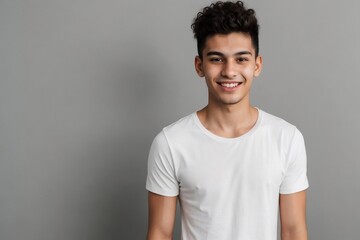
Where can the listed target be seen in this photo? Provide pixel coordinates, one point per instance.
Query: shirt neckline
(225, 139)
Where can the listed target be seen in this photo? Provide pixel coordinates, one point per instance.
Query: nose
(229, 70)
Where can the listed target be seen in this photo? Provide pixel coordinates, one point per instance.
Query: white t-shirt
(228, 188)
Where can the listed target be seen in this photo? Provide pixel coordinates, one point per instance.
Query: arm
(162, 211)
(293, 216)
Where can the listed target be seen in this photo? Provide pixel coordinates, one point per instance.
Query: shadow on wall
(114, 198)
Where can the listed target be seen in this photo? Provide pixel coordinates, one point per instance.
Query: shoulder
(269, 120)
(181, 124)
(181, 127)
(280, 128)
(275, 123)
(176, 130)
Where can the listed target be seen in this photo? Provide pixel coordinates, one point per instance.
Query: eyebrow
(221, 54)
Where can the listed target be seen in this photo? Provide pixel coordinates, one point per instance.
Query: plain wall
(86, 85)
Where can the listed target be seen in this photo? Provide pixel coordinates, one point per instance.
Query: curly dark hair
(225, 18)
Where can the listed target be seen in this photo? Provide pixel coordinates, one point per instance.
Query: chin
(230, 101)
(227, 100)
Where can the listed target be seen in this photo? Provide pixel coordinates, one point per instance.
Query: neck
(228, 120)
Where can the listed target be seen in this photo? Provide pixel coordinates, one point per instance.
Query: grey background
(86, 85)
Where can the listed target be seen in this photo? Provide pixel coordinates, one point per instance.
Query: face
(229, 66)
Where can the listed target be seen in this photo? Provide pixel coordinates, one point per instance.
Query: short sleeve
(295, 177)
(161, 178)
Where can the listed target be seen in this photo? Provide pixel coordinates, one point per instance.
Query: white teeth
(229, 85)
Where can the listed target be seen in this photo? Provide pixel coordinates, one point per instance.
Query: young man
(232, 166)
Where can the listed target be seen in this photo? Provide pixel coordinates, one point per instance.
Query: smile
(229, 85)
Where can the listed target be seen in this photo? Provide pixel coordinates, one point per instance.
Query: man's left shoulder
(279, 126)
(271, 120)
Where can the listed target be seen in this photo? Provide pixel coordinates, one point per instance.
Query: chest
(220, 168)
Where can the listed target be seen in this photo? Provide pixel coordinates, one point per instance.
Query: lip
(229, 89)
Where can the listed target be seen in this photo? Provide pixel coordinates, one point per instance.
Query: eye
(242, 59)
(215, 59)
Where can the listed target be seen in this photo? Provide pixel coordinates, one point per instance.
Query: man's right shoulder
(178, 129)
(182, 124)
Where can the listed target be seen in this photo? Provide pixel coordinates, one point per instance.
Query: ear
(198, 66)
(258, 65)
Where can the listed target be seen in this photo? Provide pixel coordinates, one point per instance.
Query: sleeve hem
(295, 190)
(162, 192)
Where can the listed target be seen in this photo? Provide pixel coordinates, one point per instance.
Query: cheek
(210, 73)
(249, 72)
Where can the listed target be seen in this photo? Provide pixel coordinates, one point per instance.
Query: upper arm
(162, 211)
(163, 188)
(293, 215)
(295, 178)
(161, 175)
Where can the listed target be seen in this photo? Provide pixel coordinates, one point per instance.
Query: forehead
(229, 43)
